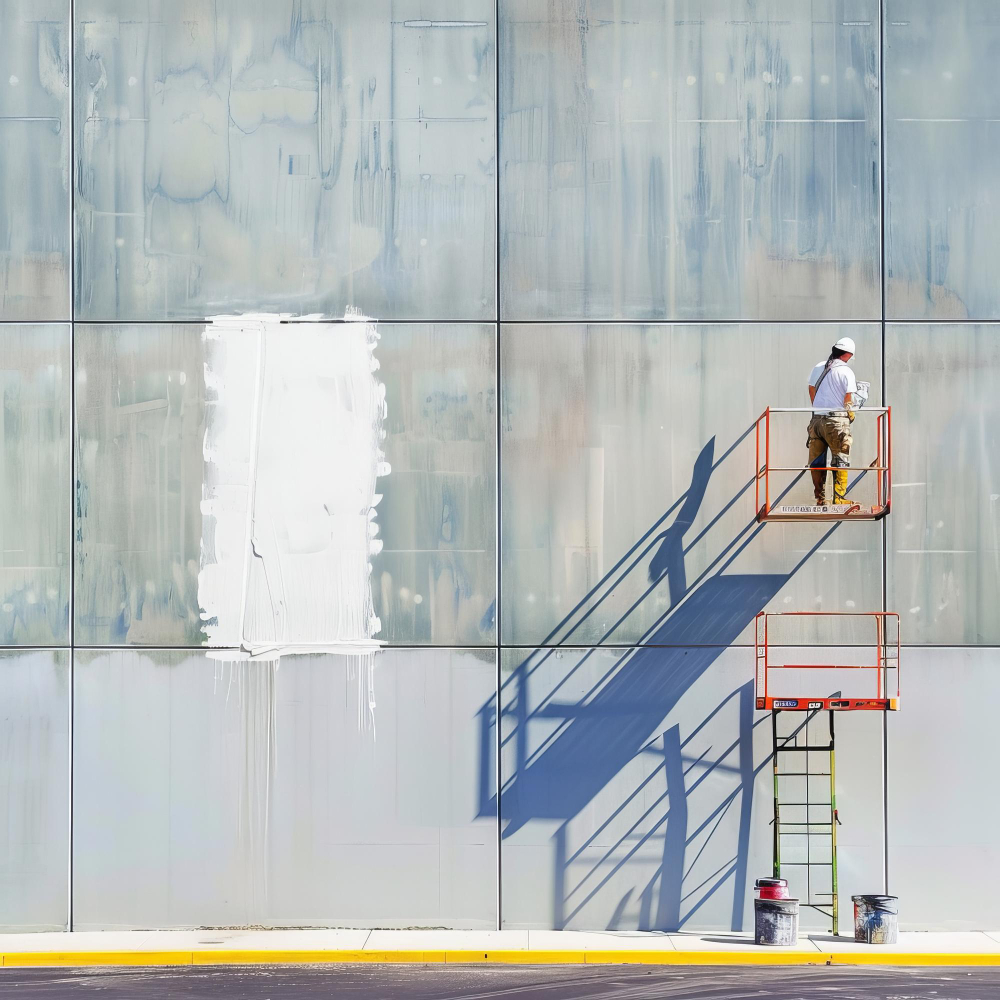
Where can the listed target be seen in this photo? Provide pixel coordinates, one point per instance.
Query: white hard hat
(844, 344)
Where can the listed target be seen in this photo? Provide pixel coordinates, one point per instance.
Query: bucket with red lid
(771, 888)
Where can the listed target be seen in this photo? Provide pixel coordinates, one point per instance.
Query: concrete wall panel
(944, 850)
(34, 790)
(628, 466)
(696, 159)
(319, 790)
(942, 138)
(35, 166)
(943, 570)
(289, 157)
(35, 485)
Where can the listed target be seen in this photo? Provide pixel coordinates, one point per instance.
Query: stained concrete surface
(473, 983)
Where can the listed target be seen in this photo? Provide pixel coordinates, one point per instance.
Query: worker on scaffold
(832, 389)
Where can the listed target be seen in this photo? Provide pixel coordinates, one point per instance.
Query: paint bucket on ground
(775, 921)
(876, 919)
(771, 888)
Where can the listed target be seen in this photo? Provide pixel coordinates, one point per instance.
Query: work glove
(850, 415)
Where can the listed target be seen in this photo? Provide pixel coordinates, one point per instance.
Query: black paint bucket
(876, 919)
(775, 921)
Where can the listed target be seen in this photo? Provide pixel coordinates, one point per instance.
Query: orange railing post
(767, 462)
(888, 457)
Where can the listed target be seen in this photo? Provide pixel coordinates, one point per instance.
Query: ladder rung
(825, 666)
(803, 774)
(806, 864)
(826, 468)
(808, 749)
(825, 805)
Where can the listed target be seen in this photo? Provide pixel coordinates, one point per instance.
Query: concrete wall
(600, 238)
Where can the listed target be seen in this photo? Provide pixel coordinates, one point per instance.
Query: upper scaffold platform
(784, 490)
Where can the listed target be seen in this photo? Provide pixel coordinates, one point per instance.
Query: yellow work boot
(840, 487)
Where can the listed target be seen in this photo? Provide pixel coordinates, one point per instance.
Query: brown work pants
(830, 431)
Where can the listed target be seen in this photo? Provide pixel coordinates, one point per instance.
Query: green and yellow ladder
(805, 809)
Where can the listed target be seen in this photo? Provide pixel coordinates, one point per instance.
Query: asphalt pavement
(436, 982)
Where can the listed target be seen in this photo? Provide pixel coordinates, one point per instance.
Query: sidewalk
(245, 947)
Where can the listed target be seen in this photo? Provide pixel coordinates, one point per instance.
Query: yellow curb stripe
(763, 956)
(927, 958)
(82, 958)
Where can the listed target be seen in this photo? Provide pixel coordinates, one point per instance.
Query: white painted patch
(292, 453)
(231, 373)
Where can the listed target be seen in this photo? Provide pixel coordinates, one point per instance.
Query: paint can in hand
(876, 919)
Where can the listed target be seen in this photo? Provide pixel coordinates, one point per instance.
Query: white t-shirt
(836, 385)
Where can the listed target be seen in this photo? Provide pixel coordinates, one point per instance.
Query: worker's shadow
(579, 729)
